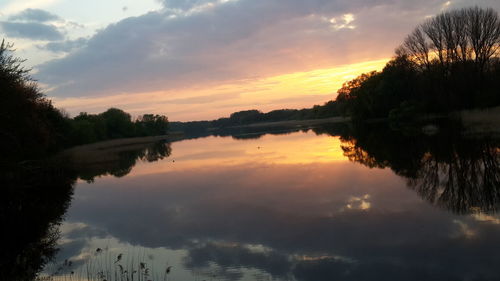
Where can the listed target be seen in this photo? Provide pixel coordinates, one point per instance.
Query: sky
(204, 59)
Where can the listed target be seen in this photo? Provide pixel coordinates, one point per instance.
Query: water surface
(308, 205)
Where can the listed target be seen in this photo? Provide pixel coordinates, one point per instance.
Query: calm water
(300, 206)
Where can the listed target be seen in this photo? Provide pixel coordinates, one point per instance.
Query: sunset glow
(295, 149)
(205, 59)
(294, 90)
(250, 140)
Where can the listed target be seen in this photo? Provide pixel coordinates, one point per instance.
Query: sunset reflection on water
(288, 206)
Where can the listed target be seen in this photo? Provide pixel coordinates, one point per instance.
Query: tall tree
(470, 34)
(29, 125)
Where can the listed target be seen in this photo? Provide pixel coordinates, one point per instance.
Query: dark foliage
(151, 125)
(448, 63)
(112, 124)
(241, 118)
(117, 162)
(36, 195)
(34, 198)
(458, 173)
(30, 126)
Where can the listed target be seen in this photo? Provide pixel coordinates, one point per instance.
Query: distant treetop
(465, 35)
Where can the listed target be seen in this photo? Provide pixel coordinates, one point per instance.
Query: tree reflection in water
(37, 194)
(34, 200)
(91, 162)
(467, 180)
(451, 170)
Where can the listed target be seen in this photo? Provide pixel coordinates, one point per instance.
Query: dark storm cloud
(34, 15)
(31, 30)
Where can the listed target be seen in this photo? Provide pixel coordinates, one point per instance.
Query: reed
(103, 265)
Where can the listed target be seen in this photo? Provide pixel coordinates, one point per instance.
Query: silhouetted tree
(118, 123)
(151, 124)
(117, 161)
(451, 171)
(471, 34)
(34, 199)
(450, 62)
(245, 117)
(30, 126)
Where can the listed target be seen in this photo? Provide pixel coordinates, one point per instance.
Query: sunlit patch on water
(298, 206)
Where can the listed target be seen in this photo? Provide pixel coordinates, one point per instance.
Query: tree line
(448, 169)
(449, 62)
(31, 127)
(114, 123)
(246, 117)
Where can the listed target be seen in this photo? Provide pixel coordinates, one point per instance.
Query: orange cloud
(292, 90)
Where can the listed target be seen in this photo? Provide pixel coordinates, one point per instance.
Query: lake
(311, 204)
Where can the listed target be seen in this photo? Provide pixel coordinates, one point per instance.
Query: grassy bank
(84, 157)
(481, 121)
(295, 123)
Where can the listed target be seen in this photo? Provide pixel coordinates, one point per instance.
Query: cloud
(34, 15)
(64, 46)
(186, 212)
(236, 256)
(343, 22)
(31, 30)
(234, 40)
(33, 24)
(226, 41)
(185, 4)
(204, 99)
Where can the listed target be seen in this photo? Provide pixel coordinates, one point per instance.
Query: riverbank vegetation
(114, 123)
(449, 169)
(247, 117)
(31, 127)
(448, 63)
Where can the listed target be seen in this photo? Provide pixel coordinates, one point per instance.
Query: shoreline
(109, 151)
(476, 121)
(295, 123)
(480, 121)
(123, 142)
